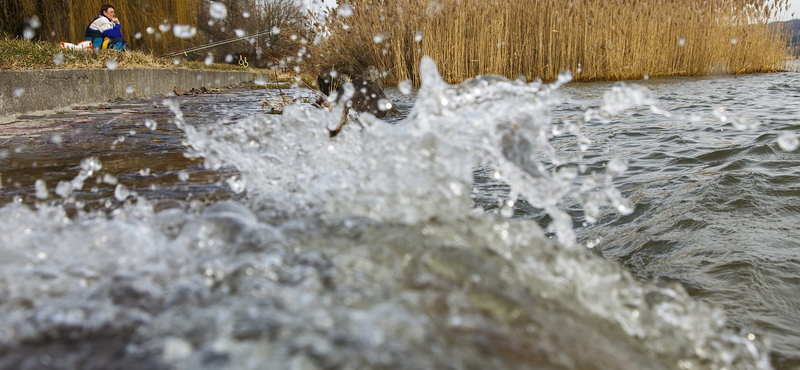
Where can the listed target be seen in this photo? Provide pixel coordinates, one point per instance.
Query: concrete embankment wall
(35, 90)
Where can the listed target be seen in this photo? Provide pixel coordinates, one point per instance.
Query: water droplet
(236, 184)
(33, 22)
(745, 124)
(144, 172)
(150, 30)
(41, 189)
(58, 59)
(384, 104)
(129, 90)
(788, 141)
(111, 64)
(681, 42)
(164, 27)
(28, 33)
(405, 87)
(345, 10)
(209, 59)
(564, 77)
(137, 35)
(121, 192)
(624, 209)
(378, 38)
(218, 10)
(584, 144)
(183, 175)
(110, 179)
(56, 139)
(64, 189)
(276, 30)
(149, 123)
(91, 164)
(19, 91)
(719, 112)
(184, 31)
(734, 41)
(617, 167)
(246, 14)
(418, 36)
(176, 61)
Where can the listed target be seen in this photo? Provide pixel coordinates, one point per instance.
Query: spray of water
(362, 250)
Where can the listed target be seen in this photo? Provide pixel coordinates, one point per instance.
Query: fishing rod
(215, 44)
(260, 50)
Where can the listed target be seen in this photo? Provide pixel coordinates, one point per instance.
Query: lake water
(495, 223)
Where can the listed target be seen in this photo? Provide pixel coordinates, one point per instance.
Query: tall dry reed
(66, 20)
(596, 40)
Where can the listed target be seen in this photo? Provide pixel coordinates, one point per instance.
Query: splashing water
(362, 250)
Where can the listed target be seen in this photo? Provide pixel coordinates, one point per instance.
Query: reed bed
(609, 40)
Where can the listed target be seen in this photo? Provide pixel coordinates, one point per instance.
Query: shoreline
(38, 90)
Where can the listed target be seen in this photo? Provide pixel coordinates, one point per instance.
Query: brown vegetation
(147, 24)
(608, 40)
(17, 53)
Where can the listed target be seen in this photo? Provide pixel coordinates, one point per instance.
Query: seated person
(105, 31)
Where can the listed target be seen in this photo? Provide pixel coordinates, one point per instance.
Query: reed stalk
(66, 20)
(608, 40)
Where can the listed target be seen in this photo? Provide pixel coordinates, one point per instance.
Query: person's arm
(108, 28)
(114, 32)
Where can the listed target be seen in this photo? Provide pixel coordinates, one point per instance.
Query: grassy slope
(18, 53)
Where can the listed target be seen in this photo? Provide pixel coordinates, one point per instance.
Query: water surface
(199, 232)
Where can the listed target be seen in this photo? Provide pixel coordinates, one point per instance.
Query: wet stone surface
(137, 143)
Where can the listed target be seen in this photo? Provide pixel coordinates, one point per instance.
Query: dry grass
(18, 53)
(610, 40)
